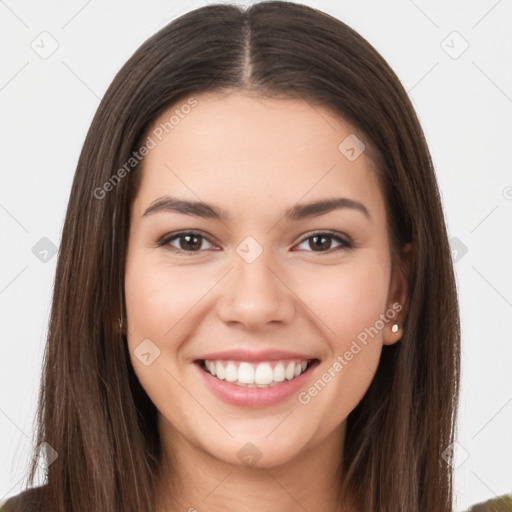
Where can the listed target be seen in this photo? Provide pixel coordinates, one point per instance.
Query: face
(289, 306)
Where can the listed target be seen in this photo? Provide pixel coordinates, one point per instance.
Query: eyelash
(166, 239)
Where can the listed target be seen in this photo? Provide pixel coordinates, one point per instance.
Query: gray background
(463, 97)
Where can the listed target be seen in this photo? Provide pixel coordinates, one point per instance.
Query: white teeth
(290, 371)
(251, 375)
(245, 373)
(219, 369)
(231, 372)
(264, 374)
(279, 372)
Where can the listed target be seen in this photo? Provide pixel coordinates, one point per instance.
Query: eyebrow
(295, 213)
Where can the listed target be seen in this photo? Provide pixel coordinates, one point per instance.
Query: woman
(208, 343)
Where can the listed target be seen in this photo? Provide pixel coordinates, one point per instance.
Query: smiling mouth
(264, 374)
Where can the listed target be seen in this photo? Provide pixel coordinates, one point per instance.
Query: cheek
(350, 306)
(158, 300)
(159, 296)
(348, 299)
(153, 307)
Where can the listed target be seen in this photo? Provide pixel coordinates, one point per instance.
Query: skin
(255, 158)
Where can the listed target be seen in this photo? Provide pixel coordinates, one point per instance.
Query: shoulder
(499, 504)
(25, 501)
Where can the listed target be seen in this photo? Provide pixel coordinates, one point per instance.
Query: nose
(255, 295)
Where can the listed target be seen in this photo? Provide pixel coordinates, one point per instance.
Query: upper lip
(247, 355)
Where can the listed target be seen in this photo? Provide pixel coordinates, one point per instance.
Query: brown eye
(322, 241)
(188, 242)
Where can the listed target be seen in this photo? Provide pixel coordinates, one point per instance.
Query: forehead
(261, 151)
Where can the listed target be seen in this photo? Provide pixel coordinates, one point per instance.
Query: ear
(396, 309)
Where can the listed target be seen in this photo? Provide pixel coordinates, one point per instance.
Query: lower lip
(255, 397)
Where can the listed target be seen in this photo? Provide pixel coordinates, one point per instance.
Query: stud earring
(394, 328)
(119, 319)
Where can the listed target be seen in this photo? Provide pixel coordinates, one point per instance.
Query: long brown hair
(92, 410)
